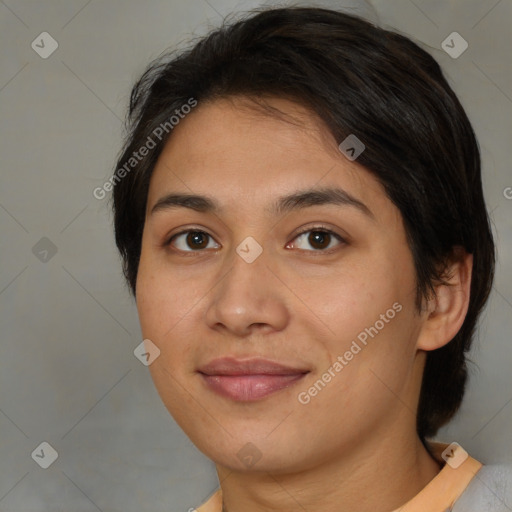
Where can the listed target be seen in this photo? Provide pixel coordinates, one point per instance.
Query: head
(254, 112)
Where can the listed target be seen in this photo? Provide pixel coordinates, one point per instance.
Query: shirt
(462, 485)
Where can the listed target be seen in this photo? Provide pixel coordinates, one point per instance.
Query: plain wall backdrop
(68, 373)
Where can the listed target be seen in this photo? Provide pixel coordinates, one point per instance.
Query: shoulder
(213, 504)
(490, 490)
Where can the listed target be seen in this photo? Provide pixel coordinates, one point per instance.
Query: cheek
(162, 309)
(350, 296)
(164, 296)
(361, 383)
(170, 306)
(367, 310)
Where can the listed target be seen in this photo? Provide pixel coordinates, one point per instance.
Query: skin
(354, 445)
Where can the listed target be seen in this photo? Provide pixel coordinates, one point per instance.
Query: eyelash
(315, 229)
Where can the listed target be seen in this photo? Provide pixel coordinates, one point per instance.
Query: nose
(248, 298)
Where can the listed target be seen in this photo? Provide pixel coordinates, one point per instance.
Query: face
(286, 334)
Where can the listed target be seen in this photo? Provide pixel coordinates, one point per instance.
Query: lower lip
(248, 388)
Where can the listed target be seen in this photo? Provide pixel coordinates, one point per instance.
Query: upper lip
(254, 366)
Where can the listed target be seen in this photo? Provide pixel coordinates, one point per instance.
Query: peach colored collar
(437, 496)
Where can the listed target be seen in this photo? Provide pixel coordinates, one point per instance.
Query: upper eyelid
(318, 228)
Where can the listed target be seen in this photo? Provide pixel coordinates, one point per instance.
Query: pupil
(194, 238)
(317, 237)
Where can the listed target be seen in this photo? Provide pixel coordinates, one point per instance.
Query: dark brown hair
(359, 79)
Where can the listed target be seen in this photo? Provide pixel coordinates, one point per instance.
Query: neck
(370, 478)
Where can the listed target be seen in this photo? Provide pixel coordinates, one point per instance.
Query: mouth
(249, 380)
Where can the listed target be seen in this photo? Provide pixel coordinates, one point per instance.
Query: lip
(254, 366)
(249, 380)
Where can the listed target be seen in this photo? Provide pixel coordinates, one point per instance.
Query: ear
(445, 313)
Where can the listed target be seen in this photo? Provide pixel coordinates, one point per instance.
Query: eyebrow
(285, 204)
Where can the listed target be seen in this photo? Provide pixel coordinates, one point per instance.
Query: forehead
(246, 156)
(237, 127)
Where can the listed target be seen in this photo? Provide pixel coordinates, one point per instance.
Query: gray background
(68, 374)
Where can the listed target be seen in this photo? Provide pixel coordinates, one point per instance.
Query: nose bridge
(247, 275)
(248, 292)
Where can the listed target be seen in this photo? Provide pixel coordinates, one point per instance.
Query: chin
(251, 454)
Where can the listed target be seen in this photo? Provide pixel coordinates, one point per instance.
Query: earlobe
(447, 310)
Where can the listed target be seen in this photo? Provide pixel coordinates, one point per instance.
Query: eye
(194, 239)
(319, 238)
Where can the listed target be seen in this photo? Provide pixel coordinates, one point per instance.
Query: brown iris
(317, 238)
(197, 239)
